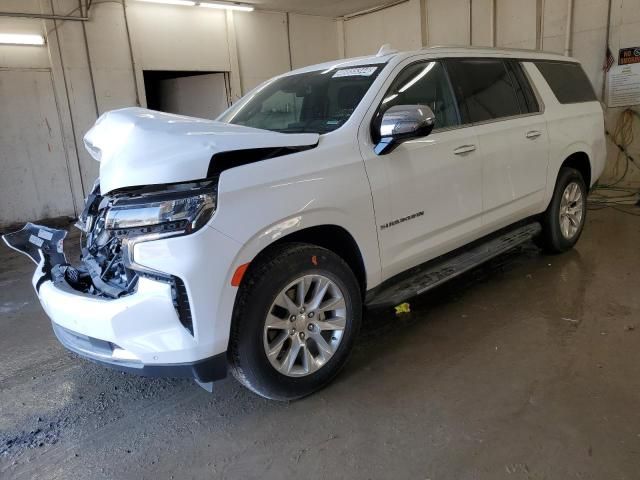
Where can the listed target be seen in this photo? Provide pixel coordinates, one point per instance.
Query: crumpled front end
(120, 313)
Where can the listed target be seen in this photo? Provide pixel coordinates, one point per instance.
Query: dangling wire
(612, 195)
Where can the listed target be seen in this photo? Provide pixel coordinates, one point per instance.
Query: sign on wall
(629, 55)
(624, 85)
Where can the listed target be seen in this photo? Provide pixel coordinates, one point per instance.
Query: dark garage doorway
(197, 94)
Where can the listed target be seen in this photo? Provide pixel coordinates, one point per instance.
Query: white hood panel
(136, 146)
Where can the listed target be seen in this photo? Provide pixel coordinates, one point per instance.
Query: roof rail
(497, 49)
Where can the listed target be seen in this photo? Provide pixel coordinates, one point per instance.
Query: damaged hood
(136, 146)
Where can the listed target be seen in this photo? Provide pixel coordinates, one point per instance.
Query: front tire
(296, 318)
(563, 221)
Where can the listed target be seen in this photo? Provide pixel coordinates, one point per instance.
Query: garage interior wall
(515, 25)
(123, 38)
(106, 72)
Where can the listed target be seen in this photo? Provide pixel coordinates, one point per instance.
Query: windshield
(313, 102)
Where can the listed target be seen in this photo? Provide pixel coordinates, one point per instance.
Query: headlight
(181, 211)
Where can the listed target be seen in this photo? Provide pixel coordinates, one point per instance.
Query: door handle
(464, 149)
(533, 134)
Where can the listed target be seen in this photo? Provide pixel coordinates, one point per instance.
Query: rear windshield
(568, 81)
(312, 102)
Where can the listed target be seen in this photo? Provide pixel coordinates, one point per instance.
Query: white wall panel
(398, 25)
(169, 37)
(448, 22)
(626, 24)
(481, 17)
(263, 46)
(313, 40)
(81, 102)
(516, 23)
(110, 57)
(34, 179)
(589, 38)
(555, 18)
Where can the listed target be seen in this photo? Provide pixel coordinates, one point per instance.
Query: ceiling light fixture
(187, 3)
(192, 3)
(227, 6)
(21, 39)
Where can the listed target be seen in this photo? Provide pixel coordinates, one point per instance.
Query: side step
(435, 272)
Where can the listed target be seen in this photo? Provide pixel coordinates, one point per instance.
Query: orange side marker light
(238, 274)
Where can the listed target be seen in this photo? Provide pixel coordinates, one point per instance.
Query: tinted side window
(526, 98)
(484, 89)
(568, 81)
(423, 83)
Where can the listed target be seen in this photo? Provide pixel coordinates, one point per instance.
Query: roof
(437, 51)
(347, 62)
(474, 51)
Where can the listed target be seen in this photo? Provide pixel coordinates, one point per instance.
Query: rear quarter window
(568, 81)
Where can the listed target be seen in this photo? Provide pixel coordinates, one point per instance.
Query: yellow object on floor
(403, 308)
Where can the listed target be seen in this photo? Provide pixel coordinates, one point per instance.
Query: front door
(427, 193)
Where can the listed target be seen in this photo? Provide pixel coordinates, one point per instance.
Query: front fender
(270, 234)
(299, 222)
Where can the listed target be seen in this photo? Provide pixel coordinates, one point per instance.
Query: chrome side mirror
(401, 123)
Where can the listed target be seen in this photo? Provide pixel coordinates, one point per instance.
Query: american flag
(608, 61)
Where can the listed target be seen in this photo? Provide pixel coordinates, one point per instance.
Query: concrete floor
(526, 368)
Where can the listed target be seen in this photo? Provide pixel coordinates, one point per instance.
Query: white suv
(255, 241)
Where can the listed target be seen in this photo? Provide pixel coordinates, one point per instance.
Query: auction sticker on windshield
(355, 72)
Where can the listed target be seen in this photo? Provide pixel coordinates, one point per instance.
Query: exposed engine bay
(113, 224)
(103, 271)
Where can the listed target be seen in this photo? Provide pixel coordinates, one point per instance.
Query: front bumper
(141, 332)
(102, 352)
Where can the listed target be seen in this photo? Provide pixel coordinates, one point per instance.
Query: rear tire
(564, 219)
(295, 320)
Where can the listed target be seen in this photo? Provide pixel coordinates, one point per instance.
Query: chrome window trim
(486, 122)
(506, 119)
(443, 59)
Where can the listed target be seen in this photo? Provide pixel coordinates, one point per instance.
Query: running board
(433, 273)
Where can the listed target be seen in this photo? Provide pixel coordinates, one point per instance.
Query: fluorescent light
(187, 3)
(193, 3)
(21, 39)
(227, 6)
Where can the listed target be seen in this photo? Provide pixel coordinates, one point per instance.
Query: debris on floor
(572, 320)
(403, 308)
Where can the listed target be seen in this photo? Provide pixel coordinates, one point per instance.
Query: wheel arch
(577, 155)
(332, 237)
(580, 161)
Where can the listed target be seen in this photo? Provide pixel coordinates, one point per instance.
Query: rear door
(496, 97)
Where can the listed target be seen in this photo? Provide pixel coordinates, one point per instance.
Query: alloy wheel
(305, 325)
(571, 210)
